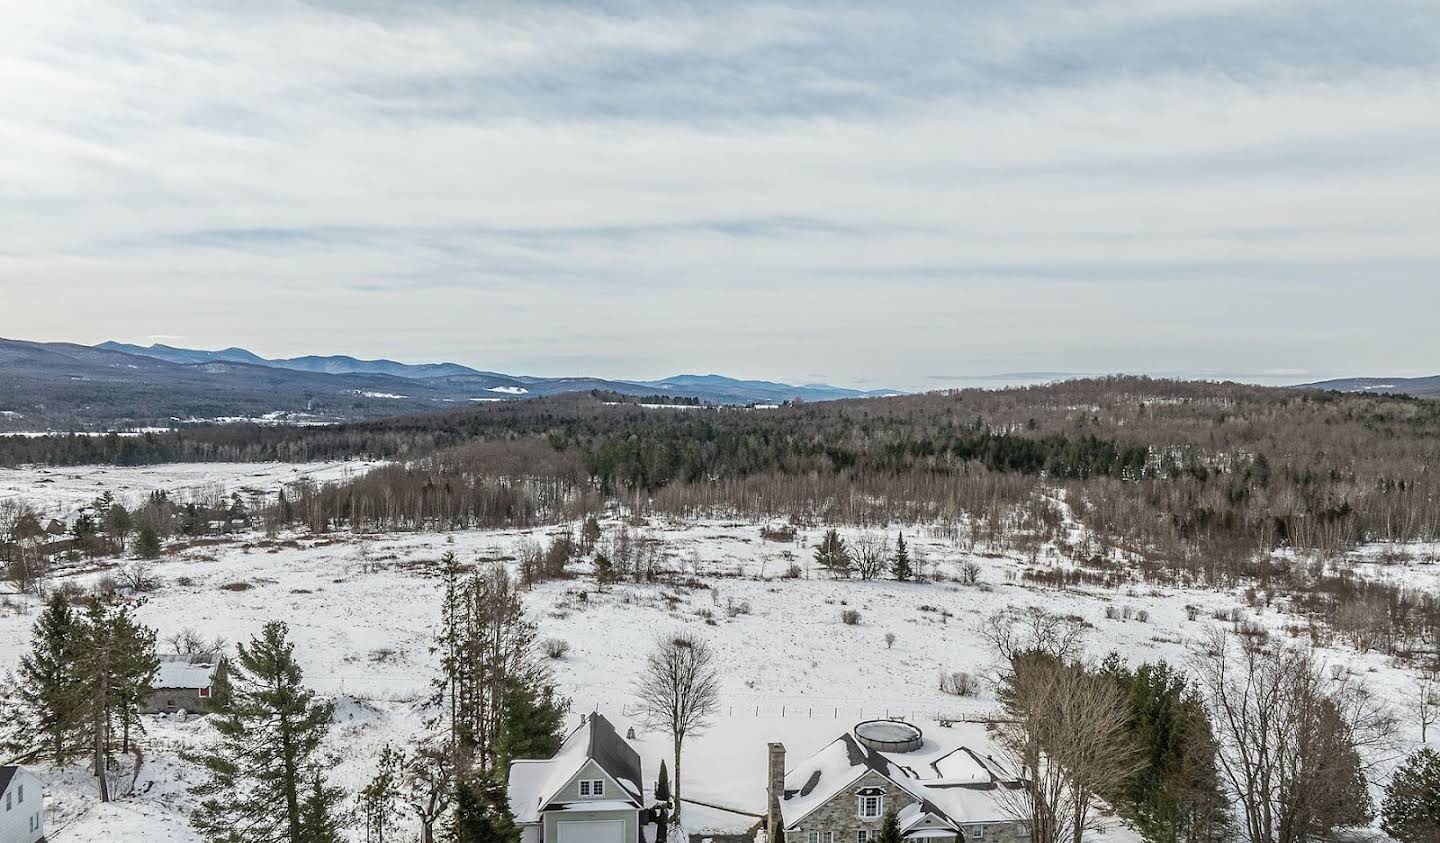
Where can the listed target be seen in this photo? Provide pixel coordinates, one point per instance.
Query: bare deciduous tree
(1015, 631)
(872, 556)
(1068, 737)
(679, 691)
(1294, 746)
(1427, 706)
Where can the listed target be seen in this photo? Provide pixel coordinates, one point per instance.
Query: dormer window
(592, 787)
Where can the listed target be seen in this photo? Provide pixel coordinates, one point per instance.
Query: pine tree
(114, 665)
(1411, 812)
(890, 828)
(832, 555)
(533, 724)
(265, 785)
(378, 798)
(482, 812)
(604, 569)
(1176, 795)
(901, 566)
(47, 693)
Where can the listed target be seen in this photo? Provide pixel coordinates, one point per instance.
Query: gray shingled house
(590, 792)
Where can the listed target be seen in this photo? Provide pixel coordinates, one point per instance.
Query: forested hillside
(1195, 474)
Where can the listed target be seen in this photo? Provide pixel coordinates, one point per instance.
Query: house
(22, 806)
(184, 682)
(942, 794)
(590, 792)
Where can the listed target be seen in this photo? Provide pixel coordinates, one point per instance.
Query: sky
(903, 195)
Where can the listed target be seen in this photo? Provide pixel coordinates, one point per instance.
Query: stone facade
(841, 815)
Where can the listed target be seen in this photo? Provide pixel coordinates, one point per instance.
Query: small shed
(184, 682)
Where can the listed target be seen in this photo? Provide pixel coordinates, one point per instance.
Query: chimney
(775, 791)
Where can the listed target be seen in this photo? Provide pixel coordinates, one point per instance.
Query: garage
(601, 831)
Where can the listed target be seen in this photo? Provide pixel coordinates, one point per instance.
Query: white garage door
(605, 831)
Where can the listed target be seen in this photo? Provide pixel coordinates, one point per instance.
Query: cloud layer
(869, 193)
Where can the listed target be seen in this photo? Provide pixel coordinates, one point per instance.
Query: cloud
(758, 188)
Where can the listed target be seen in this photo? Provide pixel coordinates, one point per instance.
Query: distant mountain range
(1428, 387)
(64, 385)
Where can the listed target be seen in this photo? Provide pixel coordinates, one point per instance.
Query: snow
(182, 672)
(509, 390)
(367, 394)
(363, 621)
(62, 492)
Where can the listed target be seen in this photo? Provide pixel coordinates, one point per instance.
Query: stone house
(944, 794)
(184, 682)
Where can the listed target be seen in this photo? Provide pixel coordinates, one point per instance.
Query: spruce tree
(147, 543)
(662, 810)
(533, 724)
(890, 828)
(482, 812)
(265, 784)
(1411, 812)
(48, 690)
(901, 566)
(832, 555)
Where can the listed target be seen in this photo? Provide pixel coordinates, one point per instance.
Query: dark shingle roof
(6, 774)
(614, 755)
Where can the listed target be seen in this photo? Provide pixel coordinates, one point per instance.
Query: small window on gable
(592, 787)
(871, 807)
(19, 793)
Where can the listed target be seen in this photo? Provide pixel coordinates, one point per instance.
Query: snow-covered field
(60, 492)
(363, 613)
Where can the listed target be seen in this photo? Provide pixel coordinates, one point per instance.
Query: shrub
(970, 572)
(1112, 613)
(889, 640)
(958, 683)
(850, 617)
(1143, 616)
(236, 586)
(555, 648)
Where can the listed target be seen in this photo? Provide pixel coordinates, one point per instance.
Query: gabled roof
(190, 670)
(965, 788)
(6, 774)
(534, 785)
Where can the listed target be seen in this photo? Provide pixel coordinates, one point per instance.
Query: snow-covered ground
(363, 613)
(60, 492)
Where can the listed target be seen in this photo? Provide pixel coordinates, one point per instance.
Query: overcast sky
(871, 194)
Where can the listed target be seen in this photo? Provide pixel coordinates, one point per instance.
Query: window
(829, 837)
(977, 832)
(814, 837)
(204, 693)
(871, 807)
(20, 793)
(592, 787)
(862, 835)
(7, 800)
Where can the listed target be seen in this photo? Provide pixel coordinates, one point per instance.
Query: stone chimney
(775, 790)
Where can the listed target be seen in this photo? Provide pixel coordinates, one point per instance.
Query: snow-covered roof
(955, 785)
(185, 671)
(535, 784)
